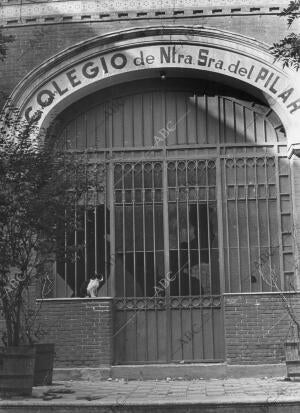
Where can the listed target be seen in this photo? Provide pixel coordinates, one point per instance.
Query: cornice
(54, 12)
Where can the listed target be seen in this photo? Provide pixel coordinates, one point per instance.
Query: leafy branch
(287, 50)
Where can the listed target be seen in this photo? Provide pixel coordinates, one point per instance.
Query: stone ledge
(204, 371)
(81, 373)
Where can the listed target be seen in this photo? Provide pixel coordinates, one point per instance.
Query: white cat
(93, 286)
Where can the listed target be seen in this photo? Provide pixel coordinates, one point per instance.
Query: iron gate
(168, 305)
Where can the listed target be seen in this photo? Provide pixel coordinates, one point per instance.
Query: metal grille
(139, 228)
(253, 217)
(165, 215)
(92, 234)
(188, 250)
(192, 218)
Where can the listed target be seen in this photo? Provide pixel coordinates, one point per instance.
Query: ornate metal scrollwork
(163, 303)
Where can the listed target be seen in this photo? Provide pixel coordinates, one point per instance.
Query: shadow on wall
(197, 111)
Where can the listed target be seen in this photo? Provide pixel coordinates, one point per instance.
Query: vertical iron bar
(178, 228)
(154, 240)
(144, 255)
(132, 120)
(188, 227)
(236, 187)
(268, 218)
(112, 252)
(198, 226)
(248, 229)
(65, 255)
(134, 257)
(187, 194)
(206, 119)
(220, 225)
(96, 221)
(166, 237)
(228, 275)
(95, 237)
(180, 266)
(76, 255)
(257, 220)
(219, 122)
(208, 225)
(189, 252)
(279, 217)
(124, 237)
(85, 244)
(144, 232)
(196, 115)
(176, 119)
(107, 206)
(166, 252)
(133, 229)
(185, 119)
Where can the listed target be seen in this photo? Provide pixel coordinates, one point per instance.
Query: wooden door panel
(195, 330)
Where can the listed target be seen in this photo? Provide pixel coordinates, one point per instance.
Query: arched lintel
(138, 53)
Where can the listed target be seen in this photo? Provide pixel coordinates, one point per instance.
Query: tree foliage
(40, 188)
(287, 50)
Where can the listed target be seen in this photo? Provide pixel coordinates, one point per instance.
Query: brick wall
(256, 327)
(81, 330)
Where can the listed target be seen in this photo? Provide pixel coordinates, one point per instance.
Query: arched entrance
(186, 201)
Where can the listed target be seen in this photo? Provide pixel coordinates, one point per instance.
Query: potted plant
(35, 332)
(292, 353)
(39, 190)
(291, 342)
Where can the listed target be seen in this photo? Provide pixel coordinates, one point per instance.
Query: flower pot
(16, 373)
(43, 369)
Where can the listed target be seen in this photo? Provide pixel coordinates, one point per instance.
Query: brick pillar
(256, 326)
(81, 329)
